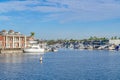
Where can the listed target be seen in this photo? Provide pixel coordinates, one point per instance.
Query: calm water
(62, 65)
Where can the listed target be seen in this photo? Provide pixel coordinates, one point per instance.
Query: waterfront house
(11, 39)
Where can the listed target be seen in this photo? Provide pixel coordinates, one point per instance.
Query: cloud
(40, 6)
(5, 18)
(90, 10)
(15, 6)
(67, 10)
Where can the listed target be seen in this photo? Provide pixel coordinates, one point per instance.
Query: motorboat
(102, 47)
(53, 49)
(90, 47)
(34, 49)
(82, 47)
(112, 47)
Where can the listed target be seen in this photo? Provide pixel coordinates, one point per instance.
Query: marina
(59, 39)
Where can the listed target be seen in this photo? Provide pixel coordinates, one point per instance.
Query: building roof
(10, 33)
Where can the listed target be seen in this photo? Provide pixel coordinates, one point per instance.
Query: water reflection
(19, 57)
(11, 58)
(41, 62)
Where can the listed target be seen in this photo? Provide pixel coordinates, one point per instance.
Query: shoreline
(11, 50)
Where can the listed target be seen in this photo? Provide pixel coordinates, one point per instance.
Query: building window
(22, 39)
(10, 39)
(7, 45)
(16, 39)
(23, 45)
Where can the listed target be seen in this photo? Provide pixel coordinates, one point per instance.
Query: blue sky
(61, 19)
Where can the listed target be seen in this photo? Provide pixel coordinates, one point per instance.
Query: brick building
(11, 39)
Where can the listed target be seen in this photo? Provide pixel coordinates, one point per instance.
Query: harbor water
(62, 65)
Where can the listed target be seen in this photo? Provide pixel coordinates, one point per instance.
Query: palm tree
(32, 34)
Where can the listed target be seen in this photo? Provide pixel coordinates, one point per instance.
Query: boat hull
(33, 50)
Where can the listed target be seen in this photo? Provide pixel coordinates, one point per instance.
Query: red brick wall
(1, 38)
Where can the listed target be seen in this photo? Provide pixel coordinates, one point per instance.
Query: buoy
(41, 58)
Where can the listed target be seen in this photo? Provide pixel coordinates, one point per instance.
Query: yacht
(54, 49)
(34, 49)
(102, 47)
(90, 47)
(82, 47)
(112, 47)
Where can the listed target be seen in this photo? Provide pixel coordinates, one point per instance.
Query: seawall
(9, 50)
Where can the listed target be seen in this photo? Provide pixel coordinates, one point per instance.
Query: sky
(61, 19)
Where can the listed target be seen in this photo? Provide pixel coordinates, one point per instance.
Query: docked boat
(82, 47)
(112, 47)
(103, 47)
(90, 47)
(53, 49)
(34, 49)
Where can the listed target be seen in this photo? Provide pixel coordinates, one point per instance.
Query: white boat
(82, 47)
(34, 49)
(90, 47)
(54, 49)
(112, 47)
(103, 47)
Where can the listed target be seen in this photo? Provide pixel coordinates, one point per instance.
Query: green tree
(51, 42)
(91, 38)
(32, 34)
